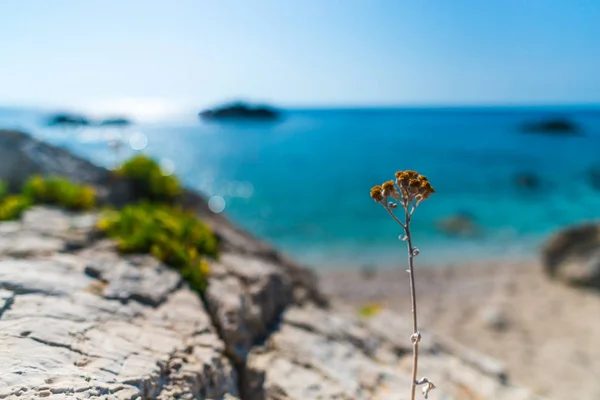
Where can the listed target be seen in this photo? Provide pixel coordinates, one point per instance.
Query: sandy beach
(544, 331)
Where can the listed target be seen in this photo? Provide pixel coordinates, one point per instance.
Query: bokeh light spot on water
(216, 204)
(245, 190)
(115, 144)
(138, 141)
(241, 189)
(167, 167)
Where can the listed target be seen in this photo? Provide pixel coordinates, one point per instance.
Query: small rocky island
(553, 126)
(65, 119)
(240, 111)
(70, 120)
(115, 122)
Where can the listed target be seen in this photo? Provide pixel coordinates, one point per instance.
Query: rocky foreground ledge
(80, 321)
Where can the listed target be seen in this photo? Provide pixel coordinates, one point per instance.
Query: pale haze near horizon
(155, 56)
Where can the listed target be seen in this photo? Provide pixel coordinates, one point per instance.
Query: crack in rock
(61, 345)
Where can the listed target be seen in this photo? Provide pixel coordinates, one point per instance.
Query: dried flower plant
(408, 191)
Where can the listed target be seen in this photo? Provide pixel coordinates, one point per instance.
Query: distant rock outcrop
(115, 122)
(75, 120)
(240, 111)
(70, 120)
(553, 126)
(573, 255)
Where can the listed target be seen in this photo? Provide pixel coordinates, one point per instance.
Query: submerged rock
(527, 180)
(594, 176)
(553, 126)
(460, 225)
(573, 255)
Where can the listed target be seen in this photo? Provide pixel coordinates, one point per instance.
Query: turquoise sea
(303, 183)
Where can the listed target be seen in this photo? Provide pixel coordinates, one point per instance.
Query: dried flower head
(389, 189)
(413, 186)
(411, 174)
(377, 193)
(403, 177)
(414, 183)
(426, 190)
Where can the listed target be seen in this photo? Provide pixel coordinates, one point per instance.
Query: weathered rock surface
(22, 156)
(573, 255)
(92, 324)
(246, 296)
(317, 354)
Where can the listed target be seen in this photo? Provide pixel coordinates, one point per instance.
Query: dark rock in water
(241, 111)
(460, 225)
(594, 176)
(573, 255)
(553, 126)
(116, 122)
(527, 180)
(68, 120)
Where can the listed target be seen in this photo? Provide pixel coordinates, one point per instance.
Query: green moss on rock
(60, 192)
(39, 190)
(170, 234)
(13, 206)
(149, 181)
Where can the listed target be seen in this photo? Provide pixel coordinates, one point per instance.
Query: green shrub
(59, 191)
(173, 236)
(149, 181)
(3, 189)
(12, 207)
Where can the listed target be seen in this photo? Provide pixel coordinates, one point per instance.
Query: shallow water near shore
(303, 183)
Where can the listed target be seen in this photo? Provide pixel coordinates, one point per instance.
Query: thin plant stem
(389, 210)
(413, 296)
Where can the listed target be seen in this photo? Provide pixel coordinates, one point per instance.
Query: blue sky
(193, 53)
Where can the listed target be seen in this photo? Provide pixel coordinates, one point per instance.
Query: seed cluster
(408, 186)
